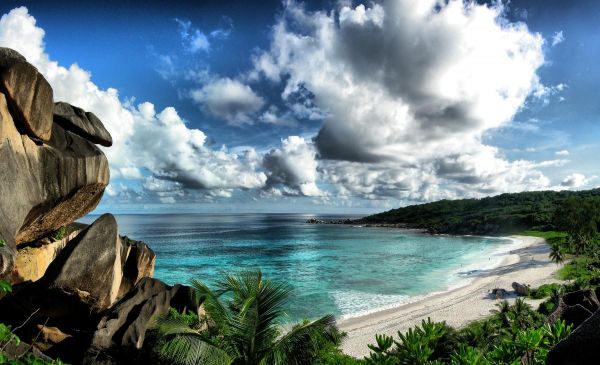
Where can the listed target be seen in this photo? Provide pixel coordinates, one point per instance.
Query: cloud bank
(406, 91)
(410, 88)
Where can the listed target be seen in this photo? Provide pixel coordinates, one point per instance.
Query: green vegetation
(59, 234)
(5, 287)
(506, 213)
(513, 333)
(2, 243)
(245, 314)
(546, 290)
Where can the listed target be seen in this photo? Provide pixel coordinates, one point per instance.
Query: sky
(325, 106)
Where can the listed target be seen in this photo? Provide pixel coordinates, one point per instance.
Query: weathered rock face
(580, 347)
(28, 94)
(43, 187)
(33, 259)
(139, 263)
(124, 327)
(90, 263)
(82, 123)
(575, 307)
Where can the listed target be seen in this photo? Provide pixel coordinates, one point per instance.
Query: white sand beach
(528, 264)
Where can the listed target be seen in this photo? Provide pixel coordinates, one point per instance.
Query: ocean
(340, 269)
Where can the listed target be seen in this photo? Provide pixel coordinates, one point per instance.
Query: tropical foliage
(245, 326)
(505, 213)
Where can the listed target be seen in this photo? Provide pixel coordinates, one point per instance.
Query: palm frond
(284, 351)
(192, 349)
(212, 305)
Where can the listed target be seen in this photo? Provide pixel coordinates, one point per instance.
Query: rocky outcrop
(50, 337)
(82, 123)
(33, 259)
(44, 187)
(82, 284)
(91, 263)
(91, 286)
(138, 263)
(575, 307)
(28, 94)
(124, 327)
(580, 347)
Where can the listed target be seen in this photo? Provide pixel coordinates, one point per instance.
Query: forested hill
(506, 213)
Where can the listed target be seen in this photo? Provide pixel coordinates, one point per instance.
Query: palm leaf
(285, 350)
(186, 346)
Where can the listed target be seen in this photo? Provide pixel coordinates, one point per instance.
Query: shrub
(59, 234)
(545, 291)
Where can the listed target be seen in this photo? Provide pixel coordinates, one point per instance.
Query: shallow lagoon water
(339, 269)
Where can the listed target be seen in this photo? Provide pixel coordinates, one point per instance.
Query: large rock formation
(575, 307)
(92, 286)
(33, 259)
(138, 263)
(123, 328)
(50, 176)
(28, 94)
(91, 263)
(83, 123)
(581, 347)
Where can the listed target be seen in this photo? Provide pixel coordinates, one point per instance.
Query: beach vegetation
(245, 327)
(501, 214)
(546, 290)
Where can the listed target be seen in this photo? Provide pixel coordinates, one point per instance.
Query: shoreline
(528, 263)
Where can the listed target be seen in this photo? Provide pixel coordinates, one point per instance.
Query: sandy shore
(527, 264)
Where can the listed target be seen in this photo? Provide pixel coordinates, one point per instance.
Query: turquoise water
(336, 269)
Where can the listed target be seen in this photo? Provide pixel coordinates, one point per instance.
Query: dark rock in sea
(122, 330)
(521, 290)
(28, 94)
(82, 123)
(44, 187)
(581, 347)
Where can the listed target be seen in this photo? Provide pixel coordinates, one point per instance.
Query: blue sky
(324, 106)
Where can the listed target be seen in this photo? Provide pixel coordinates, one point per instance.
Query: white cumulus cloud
(229, 99)
(294, 166)
(574, 180)
(159, 142)
(409, 89)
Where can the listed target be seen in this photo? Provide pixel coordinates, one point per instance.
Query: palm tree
(246, 311)
(557, 254)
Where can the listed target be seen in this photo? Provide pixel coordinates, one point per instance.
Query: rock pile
(581, 309)
(86, 293)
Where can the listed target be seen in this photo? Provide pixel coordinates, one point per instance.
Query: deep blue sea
(337, 269)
